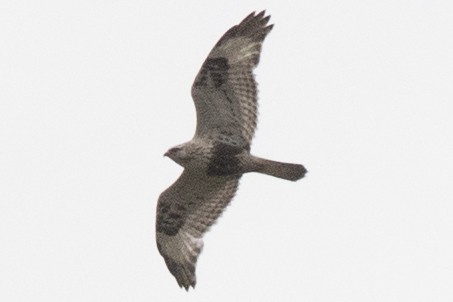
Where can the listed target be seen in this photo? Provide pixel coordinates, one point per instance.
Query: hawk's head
(180, 154)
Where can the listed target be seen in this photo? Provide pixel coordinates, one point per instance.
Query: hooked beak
(166, 153)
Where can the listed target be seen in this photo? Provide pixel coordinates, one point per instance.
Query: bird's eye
(175, 149)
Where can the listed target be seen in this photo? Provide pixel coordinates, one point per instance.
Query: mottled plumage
(225, 97)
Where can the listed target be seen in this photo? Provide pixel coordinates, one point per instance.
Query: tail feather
(286, 171)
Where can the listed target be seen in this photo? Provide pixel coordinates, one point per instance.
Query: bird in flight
(225, 97)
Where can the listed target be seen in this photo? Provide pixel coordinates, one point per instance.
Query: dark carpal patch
(216, 69)
(170, 218)
(224, 160)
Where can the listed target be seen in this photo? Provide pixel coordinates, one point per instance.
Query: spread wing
(224, 91)
(185, 211)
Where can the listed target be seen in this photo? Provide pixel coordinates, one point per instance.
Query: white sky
(92, 93)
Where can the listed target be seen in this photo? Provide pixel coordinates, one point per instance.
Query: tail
(286, 171)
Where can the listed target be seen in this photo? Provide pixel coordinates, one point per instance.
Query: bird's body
(225, 97)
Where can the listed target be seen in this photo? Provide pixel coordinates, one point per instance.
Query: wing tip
(256, 25)
(257, 19)
(183, 273)
(253, 26)
(187, 286)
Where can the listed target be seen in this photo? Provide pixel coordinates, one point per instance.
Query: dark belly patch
(224, 160)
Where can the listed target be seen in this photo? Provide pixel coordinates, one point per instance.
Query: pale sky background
(92, 93)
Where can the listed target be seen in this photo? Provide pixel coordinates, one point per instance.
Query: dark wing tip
(187, 286)
(255, 20)
(184, 273)
(249, 17)
(254, 25)
(260, 16)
